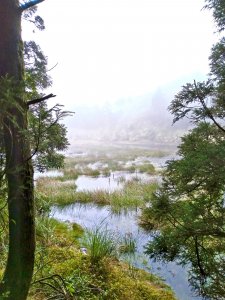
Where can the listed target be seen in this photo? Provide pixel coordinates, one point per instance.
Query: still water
(91, 216)
(110, 183)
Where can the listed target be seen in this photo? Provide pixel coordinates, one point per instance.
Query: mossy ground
(71, 274)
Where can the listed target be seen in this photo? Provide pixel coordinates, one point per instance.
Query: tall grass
(57, 192)
(100, 243)
(133, 195)
(70, 174)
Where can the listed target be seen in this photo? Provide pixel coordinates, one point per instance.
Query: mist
(143, 120)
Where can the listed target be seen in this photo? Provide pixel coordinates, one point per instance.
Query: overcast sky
(109, 50)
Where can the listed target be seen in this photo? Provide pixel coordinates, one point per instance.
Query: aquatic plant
(128, 244)
(106, 172)
(101, 197)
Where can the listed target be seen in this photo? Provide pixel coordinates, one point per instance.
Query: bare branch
(202, 271)
(35, 101)
(29, 4)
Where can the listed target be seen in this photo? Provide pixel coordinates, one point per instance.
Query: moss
(108, 280)
(77, 230)
(123, 283)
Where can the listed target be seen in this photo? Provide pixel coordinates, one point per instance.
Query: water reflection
(91, 216)
(111, 183)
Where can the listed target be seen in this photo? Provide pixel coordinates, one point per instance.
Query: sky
(108, 50)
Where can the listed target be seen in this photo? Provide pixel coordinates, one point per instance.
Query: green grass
(62, 271)
(99, 274)
(70, 174)
(99, 197)
(100, 244)
(56, 192)
(131, 169)
(91, 172)
(133, 195)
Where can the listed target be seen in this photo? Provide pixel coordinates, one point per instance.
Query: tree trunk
(19, 171)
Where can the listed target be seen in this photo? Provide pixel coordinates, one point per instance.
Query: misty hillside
(140, 120)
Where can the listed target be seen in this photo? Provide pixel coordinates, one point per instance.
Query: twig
(52, 67)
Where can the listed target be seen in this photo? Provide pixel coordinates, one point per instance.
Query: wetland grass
(68, 174)
(128, 244)
(57, 192)
(100, 244)
(147, 168)
(133, 195)
(114, 159)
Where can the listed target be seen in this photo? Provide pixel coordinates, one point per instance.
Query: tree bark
(19, 171)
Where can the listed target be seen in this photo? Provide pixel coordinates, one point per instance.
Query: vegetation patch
(113, 159)
(56, 192)
(147, 168)
(63, 271)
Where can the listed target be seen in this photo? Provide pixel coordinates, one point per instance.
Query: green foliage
(30, 15)
(189, 210)
(36, 76)
(47, 136)
(186, 215)
(218, 8)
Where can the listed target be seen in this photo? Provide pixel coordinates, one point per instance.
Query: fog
(119, 64)
(143, 120)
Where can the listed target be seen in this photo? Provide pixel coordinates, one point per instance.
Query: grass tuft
(100, 244)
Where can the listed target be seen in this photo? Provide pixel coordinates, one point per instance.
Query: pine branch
(30, 4)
